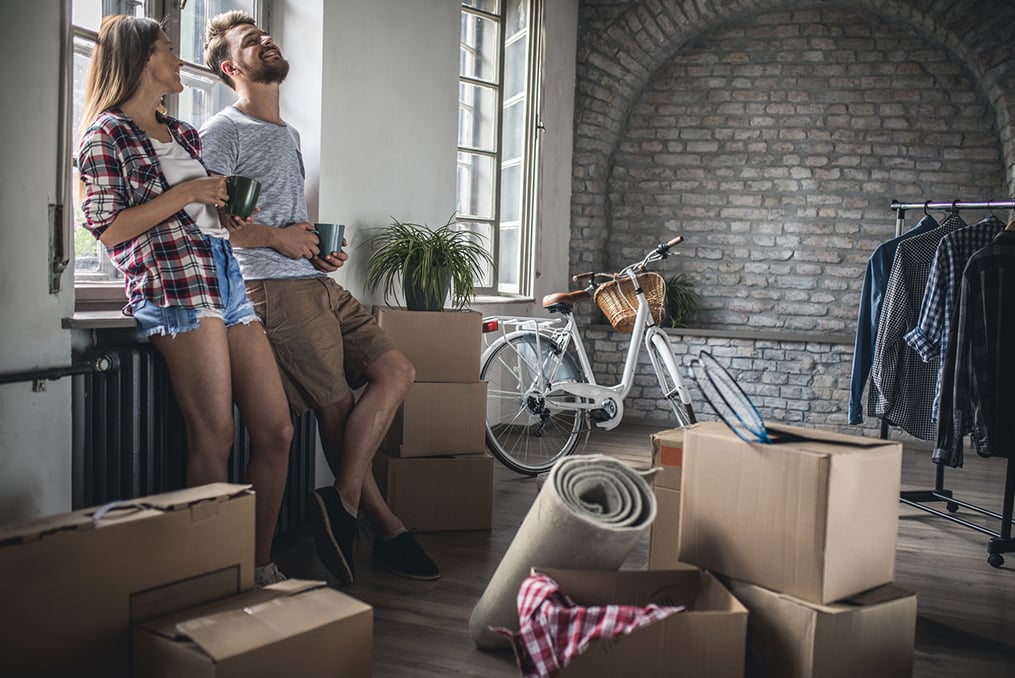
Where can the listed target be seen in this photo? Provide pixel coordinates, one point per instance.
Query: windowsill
(98, 320)
(501, 299)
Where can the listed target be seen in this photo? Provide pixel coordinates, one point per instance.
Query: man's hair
(216, 49)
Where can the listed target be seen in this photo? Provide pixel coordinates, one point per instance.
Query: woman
(157, 210)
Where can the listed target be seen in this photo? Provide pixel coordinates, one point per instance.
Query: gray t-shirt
(235, 143)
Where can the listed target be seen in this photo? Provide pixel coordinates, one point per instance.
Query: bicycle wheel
(665, 365)
(523, 430)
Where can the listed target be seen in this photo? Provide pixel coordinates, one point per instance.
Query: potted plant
(681, 299)
(431, 263)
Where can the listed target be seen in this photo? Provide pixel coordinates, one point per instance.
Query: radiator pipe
(102, 362)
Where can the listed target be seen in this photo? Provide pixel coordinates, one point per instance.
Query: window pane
(515, 66)
(475, 185)
(509, 257)
(479, 48)
(477, 117)
(511, 192)
(193, 19)
(203, 96)
(491, 6)
(88, 13)
(513, 133)
(485, 236)
(517, 18)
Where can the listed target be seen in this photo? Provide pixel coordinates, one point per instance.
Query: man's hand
(332, 261)
(296, 241)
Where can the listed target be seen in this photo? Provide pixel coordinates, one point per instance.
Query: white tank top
(178, 166)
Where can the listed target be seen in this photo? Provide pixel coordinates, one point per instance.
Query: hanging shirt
(902, 385)
(932, 334)
(984, 363)
(879, 267)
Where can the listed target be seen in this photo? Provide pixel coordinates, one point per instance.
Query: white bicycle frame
(587, 396)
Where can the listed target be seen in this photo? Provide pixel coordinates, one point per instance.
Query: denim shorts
(172, 320)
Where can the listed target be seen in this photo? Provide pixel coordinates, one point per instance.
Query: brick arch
(616, 64)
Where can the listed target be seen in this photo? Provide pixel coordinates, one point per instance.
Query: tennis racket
(722, 392)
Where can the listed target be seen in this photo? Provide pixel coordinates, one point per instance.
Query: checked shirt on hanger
(902, 386)
(933, 331)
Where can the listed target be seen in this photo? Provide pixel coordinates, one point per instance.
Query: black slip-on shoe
(405, 557)
(335, 532)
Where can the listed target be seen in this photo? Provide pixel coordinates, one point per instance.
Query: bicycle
(542, 392)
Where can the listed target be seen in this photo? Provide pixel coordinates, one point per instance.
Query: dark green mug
(243, 194)
(329, 237)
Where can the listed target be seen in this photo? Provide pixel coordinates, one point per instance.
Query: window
(498, 140)
(204, 95)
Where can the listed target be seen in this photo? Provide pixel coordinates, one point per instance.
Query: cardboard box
(439, 419)
(816, 519)
(870, 634)
(668, 453)
(443, 346)
(706, 640)
(438, 493)
(294, 628)
(662, 540)
(74, 583)
(668, 456)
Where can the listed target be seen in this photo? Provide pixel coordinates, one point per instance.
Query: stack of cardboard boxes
(163, 586)
(804, 534)
(432, 468)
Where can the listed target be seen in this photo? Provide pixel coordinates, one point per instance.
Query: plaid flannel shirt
(933, 331)
(553, 630)
(170, 264)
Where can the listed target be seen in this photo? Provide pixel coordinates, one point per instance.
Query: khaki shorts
(322, 337)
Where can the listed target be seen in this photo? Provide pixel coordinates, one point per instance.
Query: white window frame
(527, 223)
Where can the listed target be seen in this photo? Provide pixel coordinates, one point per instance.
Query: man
(324, 340)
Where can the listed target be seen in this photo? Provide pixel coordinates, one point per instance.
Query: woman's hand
(210, 190)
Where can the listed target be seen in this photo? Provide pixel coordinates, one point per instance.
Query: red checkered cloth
(554, 630)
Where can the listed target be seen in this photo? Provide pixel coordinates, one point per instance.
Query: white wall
(35, 428)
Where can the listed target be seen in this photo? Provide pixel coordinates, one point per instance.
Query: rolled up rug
(589, 515)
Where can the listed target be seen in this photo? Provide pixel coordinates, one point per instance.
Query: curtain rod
(955, 204)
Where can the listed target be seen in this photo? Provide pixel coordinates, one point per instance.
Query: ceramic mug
(243, 194)
(329, 238)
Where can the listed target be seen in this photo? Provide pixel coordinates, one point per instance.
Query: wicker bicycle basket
(618, 301)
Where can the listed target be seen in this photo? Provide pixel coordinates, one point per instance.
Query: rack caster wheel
(952, 507)
(995, 560)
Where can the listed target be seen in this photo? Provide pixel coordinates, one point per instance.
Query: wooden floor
(966, 623)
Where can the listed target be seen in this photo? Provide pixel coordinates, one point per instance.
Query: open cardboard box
(870, 634)
(706, 640)
(816, 519)
(294, 628)
(74, 583)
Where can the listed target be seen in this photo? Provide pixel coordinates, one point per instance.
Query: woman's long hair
(118, 63)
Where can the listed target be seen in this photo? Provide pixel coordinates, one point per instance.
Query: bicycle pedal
(600, 415)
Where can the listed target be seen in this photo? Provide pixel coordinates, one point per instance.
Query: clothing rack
(999, 541)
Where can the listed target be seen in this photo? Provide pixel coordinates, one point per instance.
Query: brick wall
(774, 138)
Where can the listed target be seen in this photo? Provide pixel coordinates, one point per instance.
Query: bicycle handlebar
(661, 251)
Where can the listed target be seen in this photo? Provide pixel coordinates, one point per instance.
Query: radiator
(130, 440)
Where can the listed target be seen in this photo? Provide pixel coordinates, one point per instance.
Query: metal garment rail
(999, 541)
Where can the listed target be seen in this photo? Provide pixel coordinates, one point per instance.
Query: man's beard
(269, 72)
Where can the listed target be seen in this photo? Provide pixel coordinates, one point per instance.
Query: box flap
(116, 512)
(239, 624)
